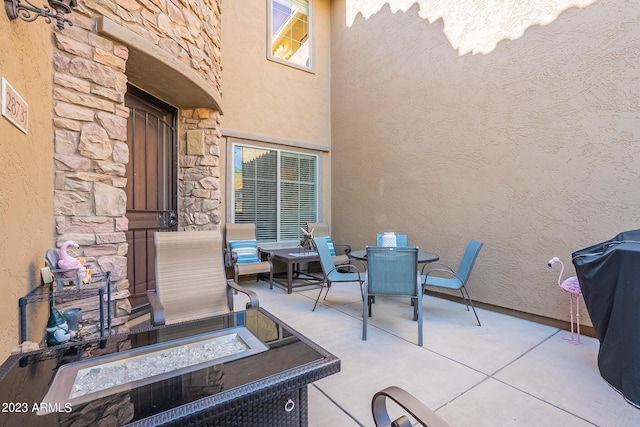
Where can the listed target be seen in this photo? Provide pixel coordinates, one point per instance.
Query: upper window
(290, 32)
(275, 189)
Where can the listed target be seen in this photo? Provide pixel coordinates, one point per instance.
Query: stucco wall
(269, 99)
(26, 176)
(531, 147)
(266, 97)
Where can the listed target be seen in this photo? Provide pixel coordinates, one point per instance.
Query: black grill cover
(609, 275)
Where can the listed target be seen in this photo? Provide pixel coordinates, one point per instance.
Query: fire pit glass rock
(86, 380)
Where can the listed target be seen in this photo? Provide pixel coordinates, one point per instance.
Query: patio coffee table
(293, 257)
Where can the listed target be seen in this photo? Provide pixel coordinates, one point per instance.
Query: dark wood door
(151, 186)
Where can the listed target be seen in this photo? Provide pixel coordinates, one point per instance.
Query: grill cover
(609, 275)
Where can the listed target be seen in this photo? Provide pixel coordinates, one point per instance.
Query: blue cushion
(247, 250)
(330, 244)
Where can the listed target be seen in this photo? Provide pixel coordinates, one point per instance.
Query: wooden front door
(151, 186)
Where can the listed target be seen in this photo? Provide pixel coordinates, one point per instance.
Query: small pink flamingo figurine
(572, 287)
(67, 261)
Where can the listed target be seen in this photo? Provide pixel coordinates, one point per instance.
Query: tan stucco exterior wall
(26, 176)
(532, 147)
(271, 101)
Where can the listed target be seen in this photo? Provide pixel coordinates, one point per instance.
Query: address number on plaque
(14, 108)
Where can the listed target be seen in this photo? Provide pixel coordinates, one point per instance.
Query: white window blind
(276, 190)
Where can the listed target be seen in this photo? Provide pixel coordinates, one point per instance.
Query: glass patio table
(423, 257)
(268, 387)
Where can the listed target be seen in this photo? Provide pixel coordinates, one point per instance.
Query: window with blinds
(275, 189)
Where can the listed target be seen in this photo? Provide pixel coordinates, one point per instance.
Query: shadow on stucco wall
(530, 148)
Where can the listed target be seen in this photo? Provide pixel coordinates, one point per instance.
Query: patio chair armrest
(253, 297)
(361, 268)
(431, 264)
(262, 252)
(407, 401)
(440, 270)
(157, 310)
(347, 267)
(342, 249)
(233, 257)
(228, 258)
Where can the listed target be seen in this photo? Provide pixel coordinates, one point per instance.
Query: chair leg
(317, 299)
(464, 298)
(369, 302)
(471, 302)
(419, 316)
(365, 315)
(327, 293)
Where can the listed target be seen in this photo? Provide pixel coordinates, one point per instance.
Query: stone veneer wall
(199, 195)
(90, 129)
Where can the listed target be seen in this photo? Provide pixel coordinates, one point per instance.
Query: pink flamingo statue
(68, 262)
(572, 287)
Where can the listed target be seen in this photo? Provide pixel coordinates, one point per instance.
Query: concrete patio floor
(508, 372)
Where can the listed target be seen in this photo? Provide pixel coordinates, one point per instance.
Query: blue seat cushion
(332, 250)
(247, 250)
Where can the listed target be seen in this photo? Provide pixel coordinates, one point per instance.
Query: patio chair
(402, 240)
(408, 402)
(392, 271)
(190, 278)
(458, 280)
(330, 272)
(242, 252)
(339, 253)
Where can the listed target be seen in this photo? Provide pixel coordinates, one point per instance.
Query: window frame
(271, 57)
(279, 214)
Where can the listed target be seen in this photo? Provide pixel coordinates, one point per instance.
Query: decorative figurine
(57, 328)
(307, 239)
(572, 287)
(69, 262)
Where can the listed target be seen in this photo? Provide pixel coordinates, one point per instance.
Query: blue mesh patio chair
(330, 272)
(392, 271)
(455, 280)
(339, 253)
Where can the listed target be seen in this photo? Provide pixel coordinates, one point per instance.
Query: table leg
(289, 277)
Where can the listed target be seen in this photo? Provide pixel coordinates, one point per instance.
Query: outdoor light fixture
(26, 11)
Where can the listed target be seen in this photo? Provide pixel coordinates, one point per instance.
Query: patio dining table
(423, 257)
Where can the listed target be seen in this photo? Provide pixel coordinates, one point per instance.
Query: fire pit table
(245, 368)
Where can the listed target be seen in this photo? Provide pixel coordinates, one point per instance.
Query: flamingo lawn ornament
(572, 287)
(68, 262)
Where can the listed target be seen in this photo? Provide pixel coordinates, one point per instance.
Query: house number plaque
(14, 108)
